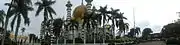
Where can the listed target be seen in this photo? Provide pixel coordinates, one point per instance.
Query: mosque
(76, 15)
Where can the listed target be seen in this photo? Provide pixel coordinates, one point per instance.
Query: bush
(69, 41)
(78, 40)
(99, 41)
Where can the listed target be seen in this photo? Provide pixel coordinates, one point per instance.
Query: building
(156, 35)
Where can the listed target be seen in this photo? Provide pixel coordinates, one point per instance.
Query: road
(153, 43)
(146, 43)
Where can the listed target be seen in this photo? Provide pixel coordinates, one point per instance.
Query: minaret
(88, 5)
(51, 31)
(68, 5)
(42, 31)
(68, 18)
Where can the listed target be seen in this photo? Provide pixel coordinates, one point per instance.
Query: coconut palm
(19, 9)
(2, 15)
(113, 12)
(46, 6)
(103, 11)
(96, 21)
(120, 24)
(73, 25)
(91, 23)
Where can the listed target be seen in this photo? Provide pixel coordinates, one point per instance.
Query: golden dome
(78, 13)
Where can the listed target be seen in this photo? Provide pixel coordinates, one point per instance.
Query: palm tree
(113, 12)
(90, 23)
(96, 21)
(103, 11)
(19, 9)
(9, 14)
(122, 26)
(146, 32)
(2, 15)
(74, 25)
(46, 5)
(134, 31)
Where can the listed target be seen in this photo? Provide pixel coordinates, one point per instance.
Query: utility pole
(134, 17)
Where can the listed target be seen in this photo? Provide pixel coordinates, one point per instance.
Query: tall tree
(2, 15)
(103, 11)
(113, 12)
(120, 24)
(73, 25)
(90, 23)
(19, 9)
(46, 6)
(146, 32)
(95, 21)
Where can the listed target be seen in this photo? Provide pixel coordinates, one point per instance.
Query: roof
(78, 13)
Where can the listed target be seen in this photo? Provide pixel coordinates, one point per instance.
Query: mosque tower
(68, 5)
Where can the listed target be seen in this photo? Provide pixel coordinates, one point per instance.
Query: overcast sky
(148, 13)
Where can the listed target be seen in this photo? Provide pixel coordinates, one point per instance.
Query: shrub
(78, 40)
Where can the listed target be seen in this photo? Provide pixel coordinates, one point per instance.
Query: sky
(148, 13)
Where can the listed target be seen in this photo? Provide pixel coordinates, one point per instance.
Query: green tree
(146, 33)
(19, 9)
(171, 30)
(58, 28)
(2, 16)
(120, 24)
(134, 32)
(90, 23)
(46, 6)
(95, 21)
(113, 12)
(58, 24)
(103, 11)
(73, 25)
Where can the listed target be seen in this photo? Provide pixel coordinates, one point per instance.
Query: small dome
(79, 12)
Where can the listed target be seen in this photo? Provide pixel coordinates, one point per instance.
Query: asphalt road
(153, 43)
(145, 43)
